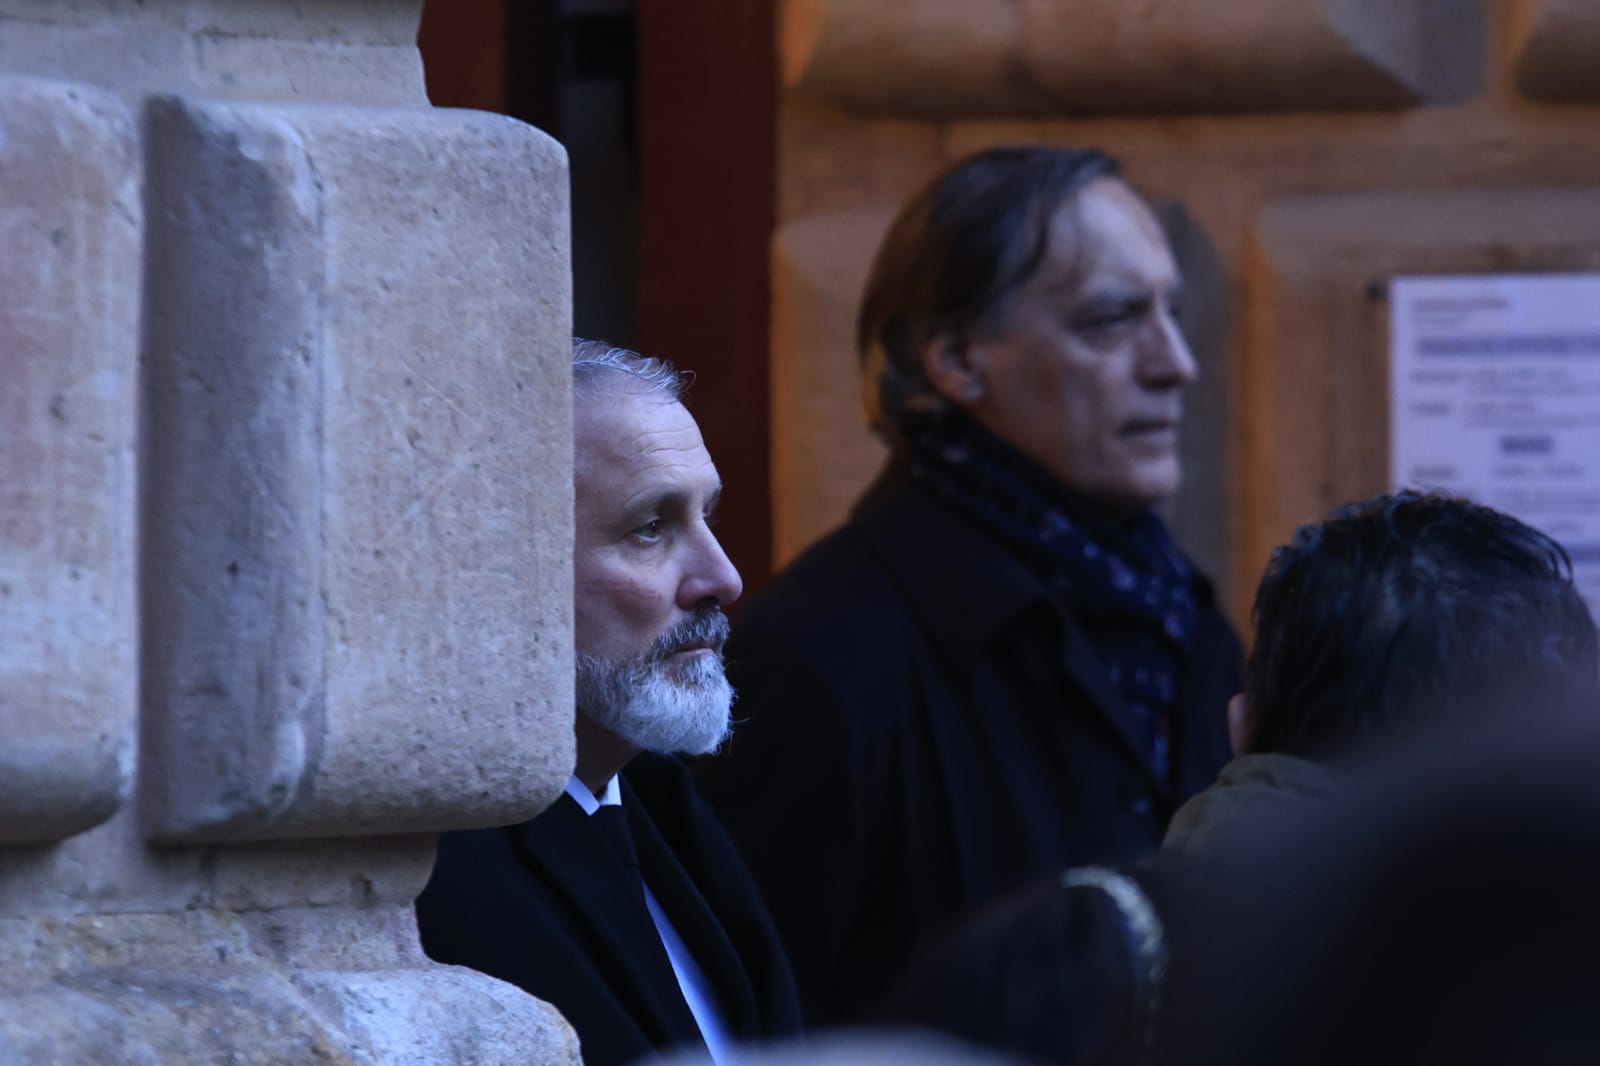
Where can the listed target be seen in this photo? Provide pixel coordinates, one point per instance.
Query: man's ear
(955, 369)
(1238, 724)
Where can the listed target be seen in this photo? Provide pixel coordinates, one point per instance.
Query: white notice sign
(1495, 395)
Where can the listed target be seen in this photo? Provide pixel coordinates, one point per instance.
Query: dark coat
(550, 906)
(921, 727)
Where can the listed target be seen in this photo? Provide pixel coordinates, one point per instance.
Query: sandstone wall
(1304, 150)
(285, 515)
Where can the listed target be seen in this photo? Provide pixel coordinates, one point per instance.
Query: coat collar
(691, 907)
(605, 901)
(969, 604)
(1248, 788)
(965, 606)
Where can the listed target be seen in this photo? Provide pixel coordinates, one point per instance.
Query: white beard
(659, 706)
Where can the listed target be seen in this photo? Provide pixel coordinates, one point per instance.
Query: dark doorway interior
(667, 109)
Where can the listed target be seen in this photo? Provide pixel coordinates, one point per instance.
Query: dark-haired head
(1442, 911)
(955, 254)
(1030, 291)
(1068, 970)
(1406, 607)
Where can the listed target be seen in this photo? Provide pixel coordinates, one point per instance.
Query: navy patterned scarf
(1126, 580)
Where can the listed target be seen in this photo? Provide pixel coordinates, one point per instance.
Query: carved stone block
(69, 335)
(1554, 44)
(358, 580)
(994, 58)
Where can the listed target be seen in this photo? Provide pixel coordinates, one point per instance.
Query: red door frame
(708, 148)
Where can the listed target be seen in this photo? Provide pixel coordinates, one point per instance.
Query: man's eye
(650, 530)
(1104, 321)
(1103, 331)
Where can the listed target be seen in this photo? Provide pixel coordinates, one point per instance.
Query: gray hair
(591, 359)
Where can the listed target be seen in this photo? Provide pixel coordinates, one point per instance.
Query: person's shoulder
(834, 605)
(1214, 623)
(460, 848)
(477, 877)
(465, 853)
(840, 564)
(1251, 790)
(843, 579)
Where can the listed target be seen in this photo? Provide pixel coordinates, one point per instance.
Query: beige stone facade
(285, 479)
(1304, 150)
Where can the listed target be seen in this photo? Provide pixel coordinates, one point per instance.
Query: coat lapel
(607, 902)
(967, 607)
(695, 920)
(1088, 672)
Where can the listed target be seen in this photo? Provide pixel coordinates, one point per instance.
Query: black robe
(923, 726)
(550, 906)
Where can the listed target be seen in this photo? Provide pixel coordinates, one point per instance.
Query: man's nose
(711, 577)
(1167, 361)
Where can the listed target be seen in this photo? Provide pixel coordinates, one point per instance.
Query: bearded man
(624, 904)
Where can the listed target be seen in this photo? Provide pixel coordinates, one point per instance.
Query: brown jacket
(1250, 788)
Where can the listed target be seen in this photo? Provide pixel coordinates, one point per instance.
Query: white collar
(610, 796)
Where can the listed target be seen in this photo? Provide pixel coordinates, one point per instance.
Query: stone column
(285, 587)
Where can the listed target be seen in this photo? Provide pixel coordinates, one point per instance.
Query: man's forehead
(631, 436)
(1107, 246)
(618, 416)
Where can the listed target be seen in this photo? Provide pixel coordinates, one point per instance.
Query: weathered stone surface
(358, 342)
(907, 57)
(1315, 414)
(823, 455)
(1555, 44)
(69, 325)
(335, 21)
(1025, 57)
(301, 985)
(349, 328)
(345, 51)
(1255, 55)
(833, 165)
(113, 870)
